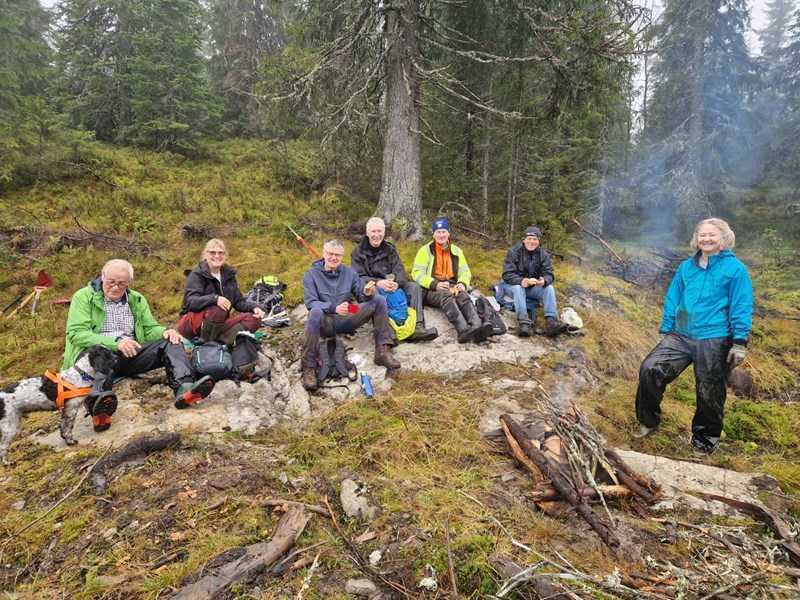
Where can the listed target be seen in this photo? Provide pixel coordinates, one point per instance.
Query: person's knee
(215, 313)
(314, 321)
(251, 322)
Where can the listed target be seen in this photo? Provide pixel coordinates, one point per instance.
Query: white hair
(375, 221)
(118, 263)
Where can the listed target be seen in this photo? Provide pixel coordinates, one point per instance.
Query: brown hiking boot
(383, 357)
(309, 378)
(554, 327)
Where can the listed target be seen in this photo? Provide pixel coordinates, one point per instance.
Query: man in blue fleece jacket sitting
(328, 287)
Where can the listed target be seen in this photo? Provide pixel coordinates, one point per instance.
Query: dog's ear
(101, 359)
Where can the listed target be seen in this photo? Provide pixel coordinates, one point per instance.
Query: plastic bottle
(366, 385)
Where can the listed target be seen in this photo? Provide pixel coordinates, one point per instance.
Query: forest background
(509, 112)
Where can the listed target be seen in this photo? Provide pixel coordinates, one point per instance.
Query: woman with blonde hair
(211, 293)
(706, 322)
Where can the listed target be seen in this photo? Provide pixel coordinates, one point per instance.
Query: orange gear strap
(65, 389)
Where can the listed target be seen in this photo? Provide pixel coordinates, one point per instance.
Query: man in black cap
(528, 271)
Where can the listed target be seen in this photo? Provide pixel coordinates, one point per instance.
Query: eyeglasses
(333, 254)
(118, 284)
(216, 252)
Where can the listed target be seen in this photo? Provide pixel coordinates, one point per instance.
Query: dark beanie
(534, 231)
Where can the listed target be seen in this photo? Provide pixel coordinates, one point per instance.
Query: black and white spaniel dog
(40, 393)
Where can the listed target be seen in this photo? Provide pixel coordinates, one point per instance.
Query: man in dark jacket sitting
(327, 289)
(375, 259)
(528, 271)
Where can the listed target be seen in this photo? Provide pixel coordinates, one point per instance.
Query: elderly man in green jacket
(107, 312)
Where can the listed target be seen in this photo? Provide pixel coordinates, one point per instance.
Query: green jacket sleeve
(81, 322)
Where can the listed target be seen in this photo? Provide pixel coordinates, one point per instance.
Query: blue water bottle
(366, 385)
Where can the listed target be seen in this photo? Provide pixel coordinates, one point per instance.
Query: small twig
(359, 560)
(307, 579)
(52, 508)
(450, 558)
(734, 585)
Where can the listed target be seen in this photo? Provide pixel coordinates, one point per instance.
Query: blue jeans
(546, 297)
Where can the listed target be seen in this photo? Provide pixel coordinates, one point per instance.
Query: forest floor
(446, 512)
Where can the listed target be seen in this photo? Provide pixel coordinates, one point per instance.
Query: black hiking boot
(101, 408)
(525, 329)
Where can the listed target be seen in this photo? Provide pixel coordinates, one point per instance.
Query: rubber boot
(482, 330)
(209, 330)
(464, 332)
(229, 337)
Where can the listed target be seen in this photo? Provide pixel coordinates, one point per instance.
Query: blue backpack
(397, 303)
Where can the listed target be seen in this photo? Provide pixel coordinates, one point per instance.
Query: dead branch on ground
(603, 243)
(250, 563)
(103, 471)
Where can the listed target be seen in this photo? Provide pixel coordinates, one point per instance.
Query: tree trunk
(486, 156)
(401, 188)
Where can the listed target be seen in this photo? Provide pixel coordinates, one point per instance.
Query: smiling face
(531, 243)
(442, 237)
(333, 256)
(709, 239)
(115, 283)
(375, 233)
(216, 257)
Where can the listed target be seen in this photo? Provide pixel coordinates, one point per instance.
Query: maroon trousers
(189, 324)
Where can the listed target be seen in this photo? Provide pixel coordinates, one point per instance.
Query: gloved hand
(736, 356)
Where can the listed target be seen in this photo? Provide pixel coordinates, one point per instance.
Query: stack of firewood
(572, 466)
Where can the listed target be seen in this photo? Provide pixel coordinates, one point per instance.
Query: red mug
(352, 308)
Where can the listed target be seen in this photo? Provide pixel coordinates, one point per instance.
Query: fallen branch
(772, 520)
(102, 472)
(278, 502)
(603, 243)
(249, 565)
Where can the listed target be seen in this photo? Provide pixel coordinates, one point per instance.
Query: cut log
(137, 449)
(562, 484)
(610, 492)
(642, 486)
(255, 559)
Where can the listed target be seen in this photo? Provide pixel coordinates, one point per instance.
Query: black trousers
(153, 355)
(669, 359)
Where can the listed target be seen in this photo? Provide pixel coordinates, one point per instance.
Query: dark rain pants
(668, 360)
(153, 355)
